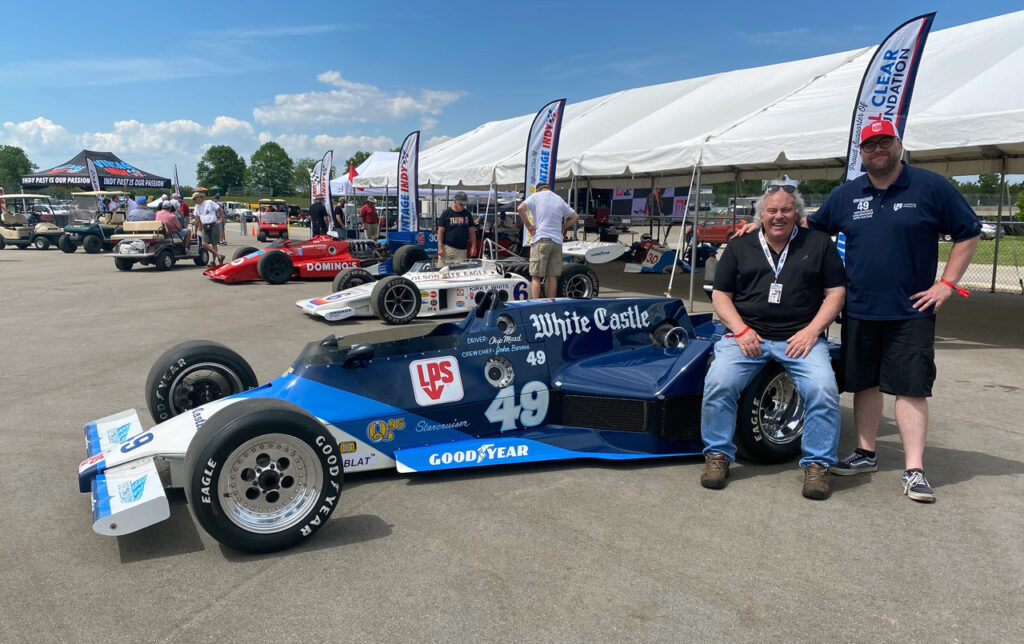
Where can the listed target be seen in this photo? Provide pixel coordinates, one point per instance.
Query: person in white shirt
(210, 216)
(551, 218)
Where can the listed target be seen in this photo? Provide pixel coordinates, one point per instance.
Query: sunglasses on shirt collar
(775, 187)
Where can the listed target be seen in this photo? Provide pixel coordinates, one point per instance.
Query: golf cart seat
(113, 218)
(17, 221)
(151, 230)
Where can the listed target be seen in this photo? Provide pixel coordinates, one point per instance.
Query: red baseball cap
(878, 128)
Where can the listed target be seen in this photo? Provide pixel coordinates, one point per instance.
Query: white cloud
(435, 140)
(350, 102)
(304, 145)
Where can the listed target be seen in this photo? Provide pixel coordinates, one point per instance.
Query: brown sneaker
(716, 470)
(817, 484)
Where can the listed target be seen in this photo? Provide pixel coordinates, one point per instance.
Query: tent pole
(735, 198)
(999, 224)
(693, 242)
(590, 204)
(682, 229)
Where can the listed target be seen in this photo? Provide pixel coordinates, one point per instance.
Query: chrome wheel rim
(400, 301)
(781, 411)
(579, 287)
(200, 384)
(270, 483)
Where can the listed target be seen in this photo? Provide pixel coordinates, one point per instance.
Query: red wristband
(961, 291)
(736, 335)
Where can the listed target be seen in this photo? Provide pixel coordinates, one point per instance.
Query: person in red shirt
(368, 213)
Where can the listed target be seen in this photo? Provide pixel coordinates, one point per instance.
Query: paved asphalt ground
(570, 551)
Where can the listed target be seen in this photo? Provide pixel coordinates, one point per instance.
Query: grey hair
(798, 201)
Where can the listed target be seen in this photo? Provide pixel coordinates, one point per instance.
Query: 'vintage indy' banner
(408, 184)
(888, 85)
(542, 146)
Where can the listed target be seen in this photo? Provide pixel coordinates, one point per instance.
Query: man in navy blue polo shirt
(892, 217)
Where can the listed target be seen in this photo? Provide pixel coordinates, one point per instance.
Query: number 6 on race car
(531, 411)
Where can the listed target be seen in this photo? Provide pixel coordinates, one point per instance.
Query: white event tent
(794, 117)
(380, 163)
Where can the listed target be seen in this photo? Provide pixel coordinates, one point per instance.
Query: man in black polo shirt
(892, 217)
(456, 232)
(776, 292)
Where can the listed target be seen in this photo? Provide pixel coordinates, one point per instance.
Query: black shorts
(897, 356)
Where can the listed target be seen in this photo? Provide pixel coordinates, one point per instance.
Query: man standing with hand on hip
(551, 218)
(892, 217)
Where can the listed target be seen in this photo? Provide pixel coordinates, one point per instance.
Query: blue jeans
(730, 374)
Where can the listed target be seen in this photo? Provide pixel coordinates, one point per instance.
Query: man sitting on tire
(776, 292)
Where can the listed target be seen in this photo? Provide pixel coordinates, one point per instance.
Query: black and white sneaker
(915, 485)
(856, 463)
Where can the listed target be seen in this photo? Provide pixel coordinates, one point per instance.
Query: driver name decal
(547, 325)
(436, 380)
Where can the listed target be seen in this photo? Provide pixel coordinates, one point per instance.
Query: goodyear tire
(349, 277)
(770, 420)
(191, 374)
(243, 251)
(406, 256)
(275, 267)
(578, 281)
(263, 475)
(395, 300)
(164, 260)
(262, 236)
(123, 263)
(66, 245)
(41, 243)
(202, 258)
(92, 244)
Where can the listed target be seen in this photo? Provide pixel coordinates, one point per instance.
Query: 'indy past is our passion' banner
(542, 146)
(408, 184)
(888, 85)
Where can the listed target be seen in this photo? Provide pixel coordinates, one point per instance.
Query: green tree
(270, 168)
(988, 184)
(221, 166)
(818, 186)
(1020, 208)
(13, 164)
(356, 159)
(301, 182)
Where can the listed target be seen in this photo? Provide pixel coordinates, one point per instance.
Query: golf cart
(147, 243)
(273, 219)
(22, 225)
(89, 227)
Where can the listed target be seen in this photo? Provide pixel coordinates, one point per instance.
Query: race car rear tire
(349, 277)
(164, 260)
(92, 244)
(275, 267)
(202, 258)
(263, 475)
(262, 236)
(770, 419)
(193, 373)
(406, 256)
(395, 300)
(41, 243)
(123, 263)
(243, 251)
(66, 245)
(578, 281)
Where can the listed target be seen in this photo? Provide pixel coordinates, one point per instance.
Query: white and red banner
(94, 178)
(408, 183)
(542, 146)
(888, 85)
(177, 189)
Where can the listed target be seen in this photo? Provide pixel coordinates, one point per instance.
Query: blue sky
(158, 83)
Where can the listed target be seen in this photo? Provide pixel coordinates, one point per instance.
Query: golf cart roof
(98, 193)
(272, 201)
(25, 196)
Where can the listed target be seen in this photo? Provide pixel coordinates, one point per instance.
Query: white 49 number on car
(530, 412)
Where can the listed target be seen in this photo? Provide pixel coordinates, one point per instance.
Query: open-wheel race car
(516, 382)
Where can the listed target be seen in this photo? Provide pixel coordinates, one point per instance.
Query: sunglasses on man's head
(884, 143)
(775, 187)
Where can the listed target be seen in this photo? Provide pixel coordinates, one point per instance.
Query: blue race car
(513, 382)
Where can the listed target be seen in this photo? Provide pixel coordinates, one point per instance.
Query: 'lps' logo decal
(436, 380)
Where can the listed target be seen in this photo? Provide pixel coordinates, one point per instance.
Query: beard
(884, 165)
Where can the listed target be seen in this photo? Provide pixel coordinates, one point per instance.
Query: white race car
(428, 291)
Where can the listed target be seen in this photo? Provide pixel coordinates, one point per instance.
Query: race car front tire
(243, 251)
(92, 244)
(66, 245)
(406, 256)
(123, 263)
(275, 267)
(263, 475)
(770, 418)
(349, 277)
(193, 373)
(578, 281)
(395, 300)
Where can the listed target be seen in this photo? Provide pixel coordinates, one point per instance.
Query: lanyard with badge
(775, 290)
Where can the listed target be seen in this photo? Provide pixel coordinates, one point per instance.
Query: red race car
(285, 259)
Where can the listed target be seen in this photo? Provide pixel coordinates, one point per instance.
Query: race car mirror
(358, 356)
